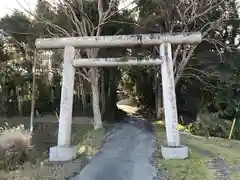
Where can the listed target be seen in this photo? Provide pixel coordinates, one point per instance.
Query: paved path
(125, 156)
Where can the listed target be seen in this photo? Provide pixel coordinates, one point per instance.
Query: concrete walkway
(125, 156)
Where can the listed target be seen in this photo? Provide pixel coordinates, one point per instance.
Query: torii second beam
(113, 62)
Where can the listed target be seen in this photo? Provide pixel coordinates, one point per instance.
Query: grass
(201, 150)
(87, 140)
(90, 142)
(186, 169)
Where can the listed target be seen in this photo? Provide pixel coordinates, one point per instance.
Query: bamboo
(232, 127)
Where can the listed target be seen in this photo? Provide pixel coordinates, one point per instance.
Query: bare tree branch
(46, 21)
(189, 75)
(83, 75)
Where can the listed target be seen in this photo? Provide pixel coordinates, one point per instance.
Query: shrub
(209, 124)
(14, 146)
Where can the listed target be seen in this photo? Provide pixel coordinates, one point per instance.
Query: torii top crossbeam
(119, 40)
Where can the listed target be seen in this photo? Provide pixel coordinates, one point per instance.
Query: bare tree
(83, 25)
(210, 17)
(196, 13)
(206, 16)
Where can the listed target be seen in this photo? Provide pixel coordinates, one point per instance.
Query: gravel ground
(125, 156)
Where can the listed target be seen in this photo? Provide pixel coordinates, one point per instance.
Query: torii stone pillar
(172, 149)
(63, 151)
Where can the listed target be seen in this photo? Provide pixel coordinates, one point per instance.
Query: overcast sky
(7, 6)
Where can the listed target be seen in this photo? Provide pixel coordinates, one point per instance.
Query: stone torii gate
(173, 149)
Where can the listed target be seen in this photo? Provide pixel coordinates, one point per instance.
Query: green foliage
(22, 31)
(210, 80)
(4, 54)
(227, 99)
(209, 124)
(138, 84)
(17, 25)
(211, 77)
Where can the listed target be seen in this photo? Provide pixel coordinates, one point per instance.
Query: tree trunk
(19, 99)
(158, 95)
(112, 104)
(95, 99)
(111, 112)
(103, 92)
(82, 93)
(2, 101)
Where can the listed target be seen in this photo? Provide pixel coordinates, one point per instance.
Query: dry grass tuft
(15, 144)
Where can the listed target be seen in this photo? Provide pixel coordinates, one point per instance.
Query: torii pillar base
(171, 152)
(61, 154)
